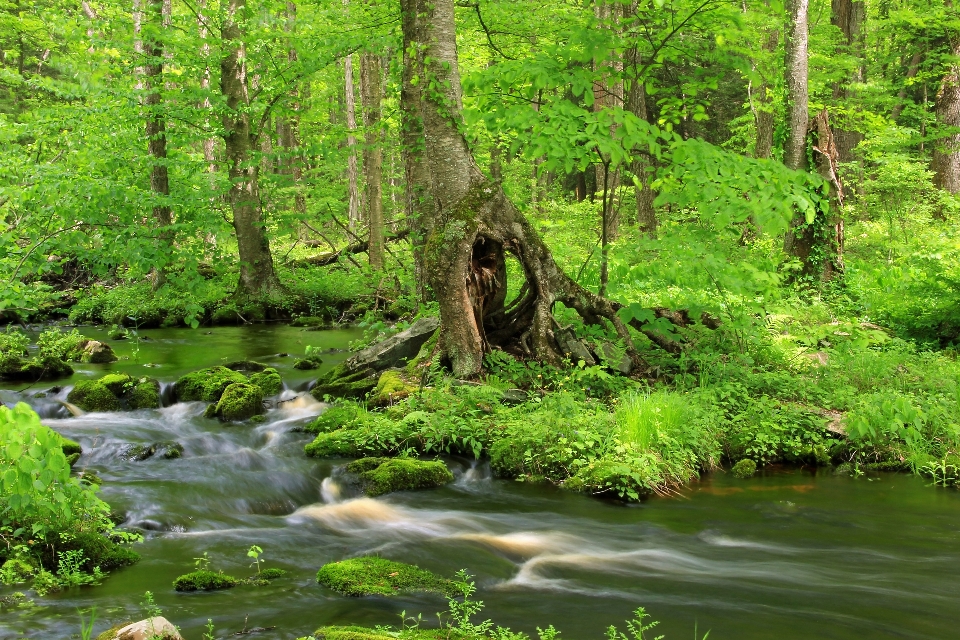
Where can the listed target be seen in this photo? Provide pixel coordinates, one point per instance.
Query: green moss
(390, 388)
(239, 402)
(204, 581)
(337, 416)
(308, 321)
(272, 573)
(98, 550)
(145, 394)
(307, 364)
(336, 444)
(268, 380)
(349, 633)
(13, 367)
(339, 382)
(206, 385)
(91, 395)
(111, 633)
(70, 447)
(378, 576)
(115, 382)
(744, 469)
(386, 475)
(426, 351)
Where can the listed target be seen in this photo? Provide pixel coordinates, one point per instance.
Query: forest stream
(789, 554)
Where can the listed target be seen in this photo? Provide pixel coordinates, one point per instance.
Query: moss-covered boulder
(92, 395)
(307, 364)
(145, 394)
(70, 447)
(206, 385)
(239, 401)
(116, 391)
(268, 380)
(370, 575)
(309, 321)
(15, 368)
(98, 551)
(336, 417)
(353, 633)
(342, 382)
(390, 388)
(95, 352)
(204, 581)
(385, 475)
(744, 469)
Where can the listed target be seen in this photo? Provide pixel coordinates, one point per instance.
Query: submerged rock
(307, 364)
(239, 401)
(165, 450)
(378, 576)
(116, 391)
(385, 475)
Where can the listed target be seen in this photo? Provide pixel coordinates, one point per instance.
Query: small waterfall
(167, 394)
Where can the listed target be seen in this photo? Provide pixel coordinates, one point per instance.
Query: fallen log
(330, 257)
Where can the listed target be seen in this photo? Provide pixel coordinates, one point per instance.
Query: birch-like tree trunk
(353, 209)
(371, 92)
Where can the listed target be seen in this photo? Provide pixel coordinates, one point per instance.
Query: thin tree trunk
(353, 210)
(798, 119)
(208, 144)
(258, 280)
(371, 92)
(763, 147)
(290, 139)
(912, 70)
(636, 103)
(945, 160)
(849, 16)
(417, 198)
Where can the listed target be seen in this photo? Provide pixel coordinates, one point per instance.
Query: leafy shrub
(58, 344)
(13, 341)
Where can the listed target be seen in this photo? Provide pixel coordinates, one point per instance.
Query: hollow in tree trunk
(258, 280)
(474, 227)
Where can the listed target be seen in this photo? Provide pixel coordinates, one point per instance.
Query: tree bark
(371, 92)
(636, 103)
(849, 16)
(912, 70)
(290, 128)
(258, 280)
(795, 46)
(208, 144)
(353, 208)
(474, 225)
(945, 160)
(763, 146)
(417, 198)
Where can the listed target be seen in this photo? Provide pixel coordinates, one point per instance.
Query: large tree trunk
(371, 91)
(258, 280)
(849, 16)
(474, 226)
(417, 199)
(945, 161)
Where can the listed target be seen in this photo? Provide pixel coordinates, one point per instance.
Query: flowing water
(791, 554)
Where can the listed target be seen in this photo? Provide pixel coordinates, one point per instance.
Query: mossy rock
(247, 366)
(335, 444)
(95, 352)
(340, 382)
(206, 385)
(145, 394)
(15, 368)
(356, 633)
(308, 321)
(98, 551)
(70, 447)
(377, 576)
(240, 401)
(744, 469)
(111, 633)
(272, 573)
(114, 392)
(204, 581)
(336, 417)
(118, 333)
(268, 380)
(17, 570)
(91, 395)
(379, 476)
(307, 364)
(390, 388)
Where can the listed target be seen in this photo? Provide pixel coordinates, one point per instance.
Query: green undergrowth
(378, 576)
